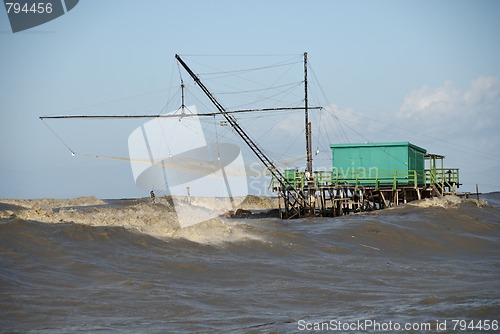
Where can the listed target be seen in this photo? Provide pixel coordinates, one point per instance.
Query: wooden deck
(332, 194)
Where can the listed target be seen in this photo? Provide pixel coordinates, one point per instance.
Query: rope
(58, 137)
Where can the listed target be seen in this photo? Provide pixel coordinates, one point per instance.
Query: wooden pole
(307, 124)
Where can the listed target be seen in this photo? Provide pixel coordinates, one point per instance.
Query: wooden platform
(335, 197)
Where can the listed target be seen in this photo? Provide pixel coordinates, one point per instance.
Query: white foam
(156, 219)
(53, 203)
(449, 201)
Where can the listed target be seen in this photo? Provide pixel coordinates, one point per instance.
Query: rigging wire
(162, 110)
(271, 97)
(292, 143)
(180, 73)
(285, 93)
(241, 55)
(258, 90)
(315, 79)
(246, 70)
(260, 98)
(282, 63)
(100, 104)
(160, 147)
(277, 80)
(314, 97)
(294, 58)
(170, 88)
(60, 139)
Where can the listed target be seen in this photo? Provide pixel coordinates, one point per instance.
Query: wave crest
(447, 202)
(156, 219)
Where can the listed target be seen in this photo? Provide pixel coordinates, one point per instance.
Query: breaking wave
(435, 224)
(138, 215)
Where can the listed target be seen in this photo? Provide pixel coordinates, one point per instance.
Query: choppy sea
(124, 266)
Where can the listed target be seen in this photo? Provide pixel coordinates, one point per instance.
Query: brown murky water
(125, 267)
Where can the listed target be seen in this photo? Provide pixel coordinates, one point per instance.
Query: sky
(421, 71)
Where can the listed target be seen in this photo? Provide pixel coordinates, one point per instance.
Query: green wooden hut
(379, 163)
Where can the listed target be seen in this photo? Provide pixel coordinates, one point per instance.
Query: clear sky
(422, 71)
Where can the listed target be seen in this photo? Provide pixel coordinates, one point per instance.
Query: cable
(60, 139)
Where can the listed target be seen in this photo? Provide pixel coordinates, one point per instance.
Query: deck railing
(371, 178)
(445, 176)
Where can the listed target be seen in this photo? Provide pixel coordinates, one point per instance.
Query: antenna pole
(309, 167)
(183, 106)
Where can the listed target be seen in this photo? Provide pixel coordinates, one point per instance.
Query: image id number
(478, 325)
(35, 8)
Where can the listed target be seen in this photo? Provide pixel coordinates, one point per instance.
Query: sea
(88, 265)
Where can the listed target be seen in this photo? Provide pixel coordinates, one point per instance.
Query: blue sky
(420, 71)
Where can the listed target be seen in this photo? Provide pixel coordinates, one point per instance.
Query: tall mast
(308, 124)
